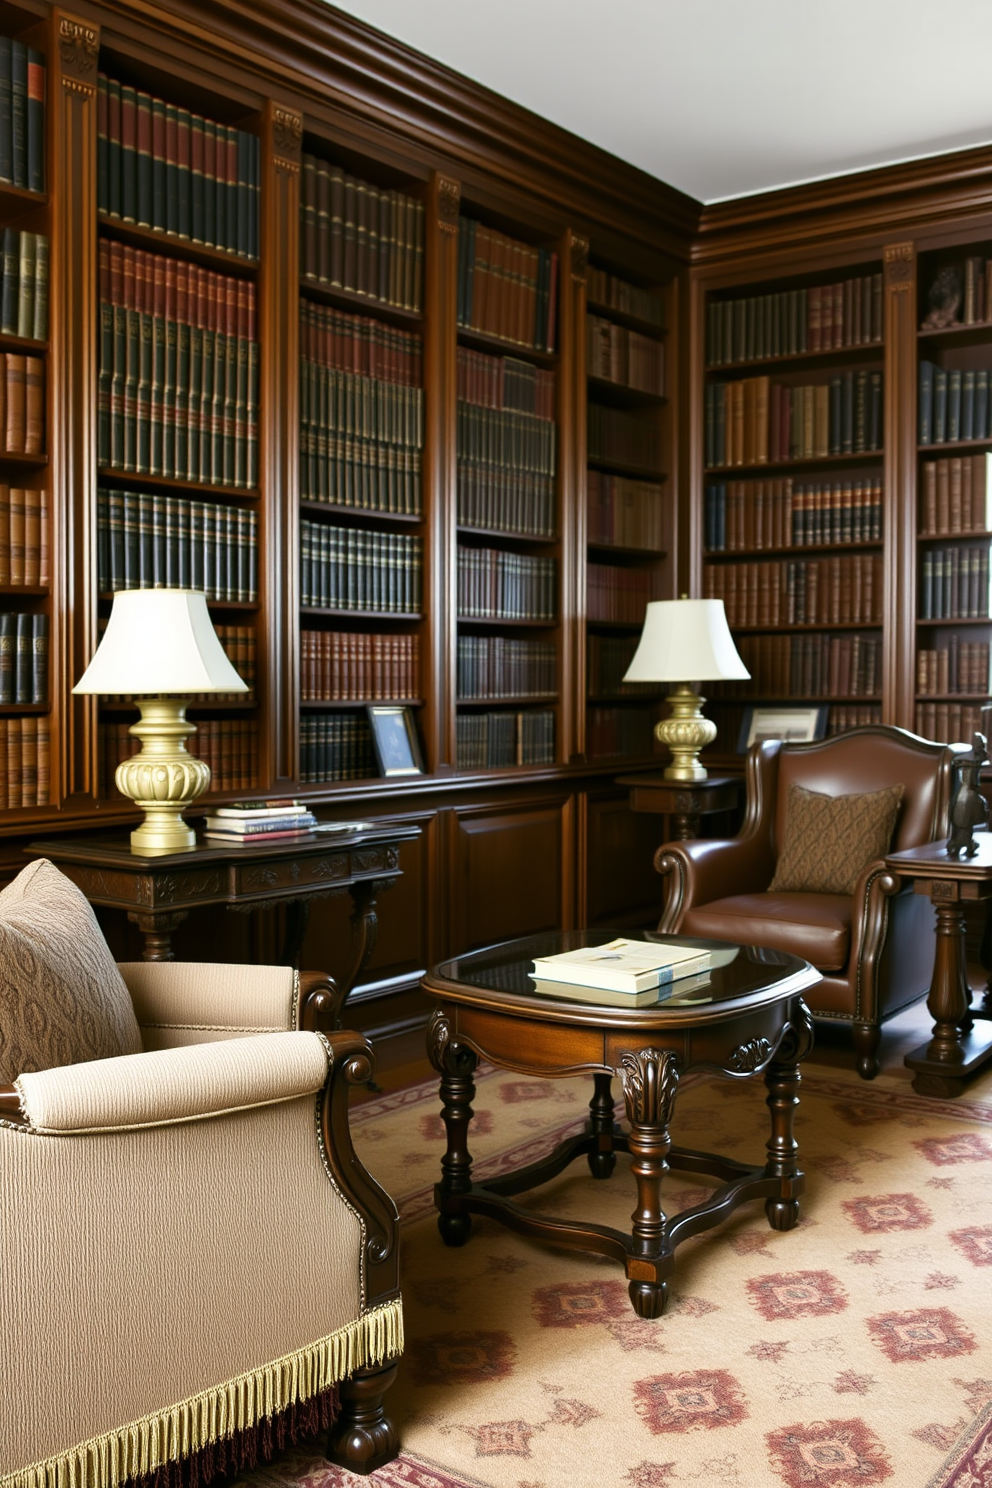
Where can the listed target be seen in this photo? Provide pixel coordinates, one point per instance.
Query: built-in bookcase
(27, 711)
(793, 406)
(954, 436)
(508, 520)
(630, 517)
(361, 441)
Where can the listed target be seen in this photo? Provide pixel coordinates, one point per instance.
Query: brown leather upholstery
(875, 949)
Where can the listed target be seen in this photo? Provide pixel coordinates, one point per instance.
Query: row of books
(789, 322)
(22, 404)
(755, 421)
(22, 115)
(360, 441)
(494, 585)
(177, 377)
(351, 568)
(147, 540)
(948, 723)
(613, 732)
(360, 344)
(261, 821)
(517, 502)
(25, 761)
(954, 583)
(346, 666)
(607, 659)
(164, 167)
(506, 288)
(618, 438)
(625, 513)
(493, 741)
(613, 293)
(845, 717)
(784, 666)
(360, 238)
(335, 746)
(953, 405)
(24, 537)
(960, 666)
(617, 594)
(228, 745)
(746, 515)
(23, 658)
(505, 667)
(823, 591)
(24, 268)
(505, 382)
(956, 496)
(616, 354)
(505, 438)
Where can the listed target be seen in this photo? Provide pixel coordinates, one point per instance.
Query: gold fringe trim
(182, 1429)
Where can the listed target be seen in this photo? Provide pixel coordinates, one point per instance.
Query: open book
(623, 965)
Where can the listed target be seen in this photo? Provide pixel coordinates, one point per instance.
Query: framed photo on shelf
(794, 725)
(394, 739)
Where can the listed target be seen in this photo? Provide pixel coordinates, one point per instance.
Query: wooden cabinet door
(507, 876)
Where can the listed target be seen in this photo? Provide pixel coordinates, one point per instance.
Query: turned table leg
(157, 930)
(650, 1080)
(782, 1082)
(456, 1065)
(603, 1159)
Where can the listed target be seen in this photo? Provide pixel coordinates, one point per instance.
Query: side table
(685, 800)
(158, 893)
(957, 1049)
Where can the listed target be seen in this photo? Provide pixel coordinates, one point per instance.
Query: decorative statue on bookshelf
(969, 808)
(944, 301)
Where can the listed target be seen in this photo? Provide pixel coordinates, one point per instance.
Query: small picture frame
(394, 739)
(792, 725)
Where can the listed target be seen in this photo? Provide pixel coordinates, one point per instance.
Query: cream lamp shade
(159, 646)
(683, 641)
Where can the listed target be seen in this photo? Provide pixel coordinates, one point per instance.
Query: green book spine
(6, 121)
(169, 400)
(8, 651)
(243, 594)
(116, 541)
(19, 111)
(241, 416)
(39, 329)
(184, 170)
(25, 284)
(252, 423)
(229, 410)
(9, 298)
(197, 207)
(23, 659)
(197, 528)
(102, 147)
(35, 120)
(208, 470)
(233, 223)
(209, 183)
(158, 165)
(129, 153)
(144, 399)
(244, 197)
(157, 398)
(171, 168)
(132, 376)
(183, 522)
(131, 523)
(215, 412)
(194, 403)
(157, 505)
(113, 147)
(170, 526)
(182, 400)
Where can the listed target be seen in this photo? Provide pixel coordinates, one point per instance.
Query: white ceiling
(722, 98)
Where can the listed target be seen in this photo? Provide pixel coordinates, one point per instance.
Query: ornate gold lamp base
(685, 732)
(164, 780)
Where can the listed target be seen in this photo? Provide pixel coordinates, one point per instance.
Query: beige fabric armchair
(193, 1260)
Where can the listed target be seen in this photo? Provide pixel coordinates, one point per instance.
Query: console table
(158, 893)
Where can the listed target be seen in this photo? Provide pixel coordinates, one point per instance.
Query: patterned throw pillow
(829, 841)
(62, 999)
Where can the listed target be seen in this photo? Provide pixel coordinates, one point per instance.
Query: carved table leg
(650, 1080)
(364, 929)
(949, 997)
(294, 932)
(782, 1081)
(601, 1125)
(363, 1437)
(157, 930)
(456, 1065)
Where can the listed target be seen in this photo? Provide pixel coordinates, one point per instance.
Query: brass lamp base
(685, 732)
(163, 779)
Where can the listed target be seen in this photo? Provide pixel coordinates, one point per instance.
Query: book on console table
(622, 965)
(677, 993)
(259, 820)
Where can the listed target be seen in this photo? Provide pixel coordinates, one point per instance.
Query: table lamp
(685, 640)
(159, 643)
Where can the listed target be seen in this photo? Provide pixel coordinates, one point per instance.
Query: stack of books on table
(631, 972)
(259, 821)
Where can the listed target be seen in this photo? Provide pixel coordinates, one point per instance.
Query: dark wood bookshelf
(158, 240)
(348, 299)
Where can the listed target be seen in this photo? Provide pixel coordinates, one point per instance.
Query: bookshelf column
(279, 667)
(572, 476)
(73, 395)
(899, 665)
(440, 380)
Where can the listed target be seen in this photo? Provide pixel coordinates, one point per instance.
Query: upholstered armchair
(805, 874)
(195, 1267)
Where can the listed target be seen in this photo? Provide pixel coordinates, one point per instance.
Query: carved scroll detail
(749, 1056)
(650, 1080)
(448, 202)
(78, 47)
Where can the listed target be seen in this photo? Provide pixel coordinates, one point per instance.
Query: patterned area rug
(854, 1350)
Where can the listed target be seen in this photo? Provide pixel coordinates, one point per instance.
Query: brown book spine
(17, 524)
(34, 405)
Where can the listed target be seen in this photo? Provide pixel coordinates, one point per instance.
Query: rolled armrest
(702, 871)
(189, 1002)
(173, 1085)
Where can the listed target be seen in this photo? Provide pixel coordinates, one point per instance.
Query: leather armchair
(195, 1263)
(875, 947)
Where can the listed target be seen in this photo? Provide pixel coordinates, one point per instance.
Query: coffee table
(749, 1019)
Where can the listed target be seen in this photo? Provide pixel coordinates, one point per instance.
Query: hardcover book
(623, 965)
